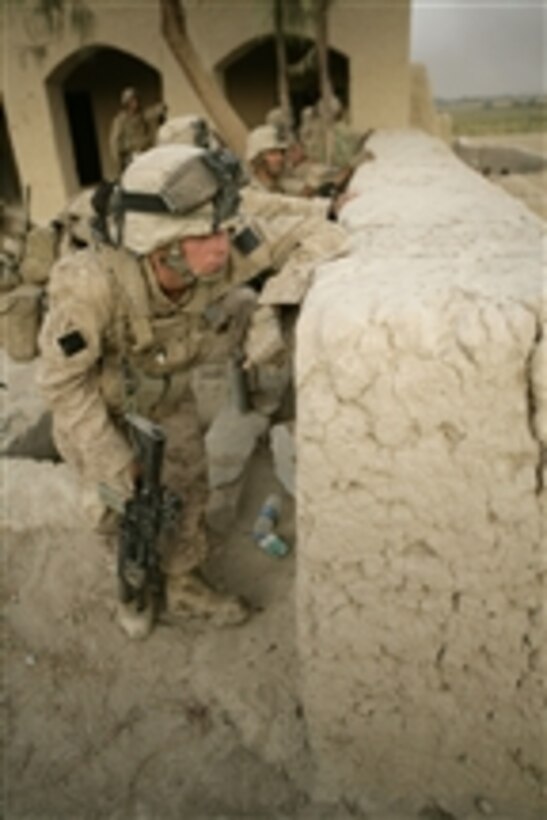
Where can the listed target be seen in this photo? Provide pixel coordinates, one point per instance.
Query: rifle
(337, 179)
(150, 510)
(335, 183)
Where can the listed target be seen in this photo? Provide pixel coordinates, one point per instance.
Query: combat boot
(189, 596)
(136, 623)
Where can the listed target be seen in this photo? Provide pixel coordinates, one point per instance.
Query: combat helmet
(127, 95)
(171, 192)
(264, 138)
(280, 119)
(188, 130)
(335, 107)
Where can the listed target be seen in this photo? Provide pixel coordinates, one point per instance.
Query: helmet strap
(176, 261)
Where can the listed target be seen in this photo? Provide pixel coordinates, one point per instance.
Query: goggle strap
(141, 203)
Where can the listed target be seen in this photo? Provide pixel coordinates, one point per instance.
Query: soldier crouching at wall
(126, 326)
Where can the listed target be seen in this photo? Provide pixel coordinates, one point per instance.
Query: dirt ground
(194, 723)
(529, 188)
(534, 142)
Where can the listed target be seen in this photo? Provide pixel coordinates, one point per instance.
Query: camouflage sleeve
(264, 342)
(114, 139)
(298, 247)
(265, 205)
(71, 345)
(154, 114)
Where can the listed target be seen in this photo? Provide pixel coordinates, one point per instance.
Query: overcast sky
(481, 47)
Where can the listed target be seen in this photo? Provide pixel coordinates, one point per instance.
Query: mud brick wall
(421, 442)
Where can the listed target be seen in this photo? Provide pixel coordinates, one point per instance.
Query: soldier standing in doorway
(133, 128)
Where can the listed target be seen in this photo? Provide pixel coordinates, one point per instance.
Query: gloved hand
(264, 342)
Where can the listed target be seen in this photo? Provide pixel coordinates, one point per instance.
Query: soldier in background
(265, 154)
(281, 121)
(133, 129)
(305, 178)
(280, 167)
(345, 146)
(309, 133)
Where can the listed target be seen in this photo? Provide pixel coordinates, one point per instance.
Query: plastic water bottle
(264, 528)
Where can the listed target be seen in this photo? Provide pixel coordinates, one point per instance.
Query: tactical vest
(148, 356)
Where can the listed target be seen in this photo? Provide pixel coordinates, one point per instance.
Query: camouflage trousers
(184, 472)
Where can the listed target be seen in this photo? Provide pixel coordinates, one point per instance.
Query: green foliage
(517, 117)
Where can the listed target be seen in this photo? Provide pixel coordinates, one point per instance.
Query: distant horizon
(480, 48)
(500, 96)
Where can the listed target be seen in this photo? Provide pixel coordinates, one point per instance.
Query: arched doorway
(84, 93)
(250, 79)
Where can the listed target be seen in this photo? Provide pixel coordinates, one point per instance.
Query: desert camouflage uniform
(24, 267)
(310, 134)
(257, 202)
(112, 342)
(75, 223)
(304, 179)
(271, 187)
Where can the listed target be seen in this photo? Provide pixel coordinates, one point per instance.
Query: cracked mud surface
(195, 722)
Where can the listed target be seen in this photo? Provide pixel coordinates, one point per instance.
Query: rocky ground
(536, 143)
(529, 188)
(195, 722)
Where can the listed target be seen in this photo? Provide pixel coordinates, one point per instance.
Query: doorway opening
(250, 77)
(83, 133)
(10, 184)
(84, 94)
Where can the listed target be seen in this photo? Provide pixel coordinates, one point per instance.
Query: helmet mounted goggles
(211, 177)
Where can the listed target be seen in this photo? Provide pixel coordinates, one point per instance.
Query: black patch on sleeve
(246, 241)
(71, 343)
